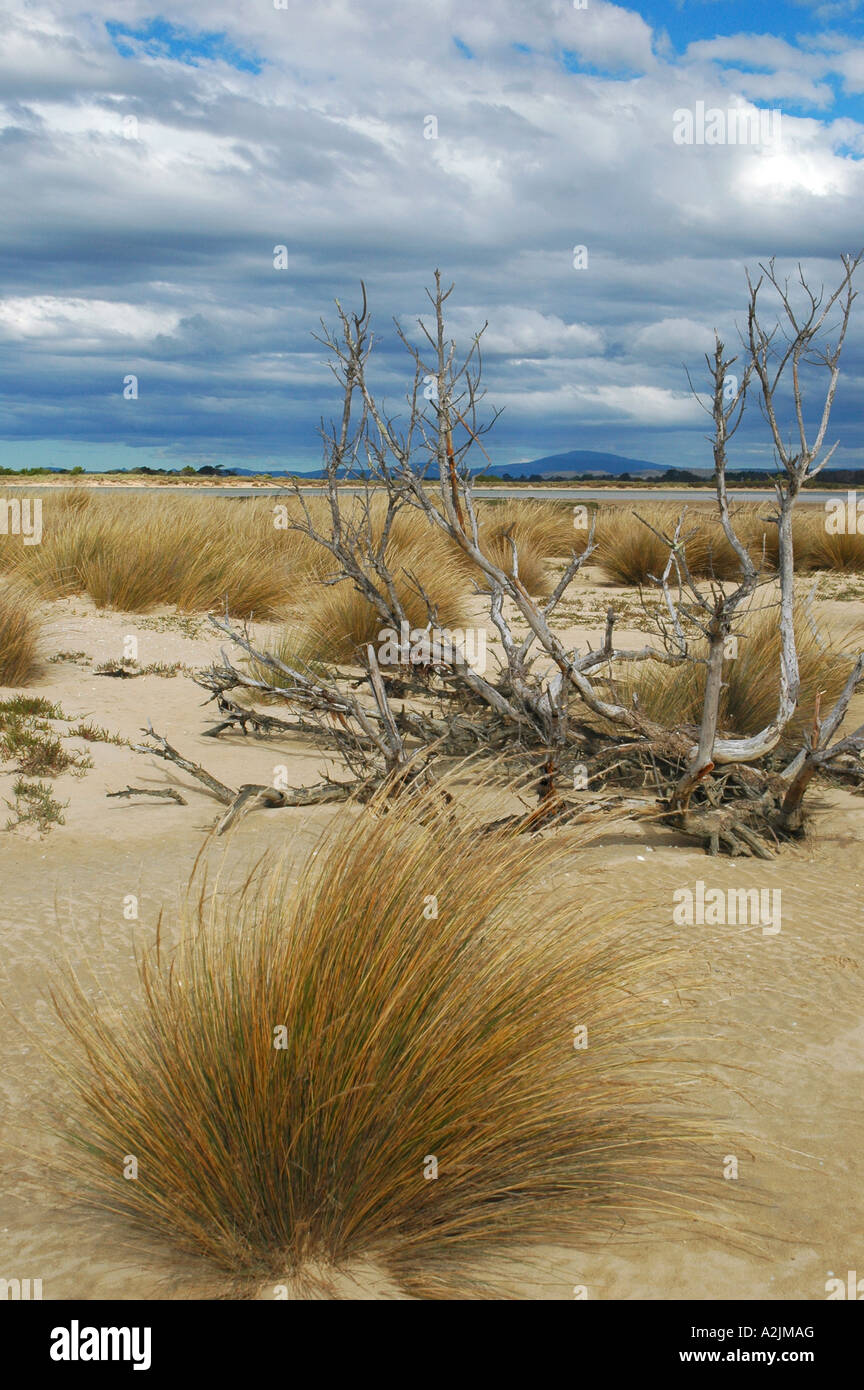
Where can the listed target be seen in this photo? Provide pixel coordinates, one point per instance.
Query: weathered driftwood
(166, 793)
(161, 748)
(254, 796)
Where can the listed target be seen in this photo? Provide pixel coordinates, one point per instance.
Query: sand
(781, 1014)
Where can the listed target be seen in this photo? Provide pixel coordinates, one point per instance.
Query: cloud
(79, 322)
(519, 332)
(148, 187)
(610, 37)
(671, 335)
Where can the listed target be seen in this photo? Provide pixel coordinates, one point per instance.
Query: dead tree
(550, 705)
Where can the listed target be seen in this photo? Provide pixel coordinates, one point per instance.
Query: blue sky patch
(786, 19)
(159, 38)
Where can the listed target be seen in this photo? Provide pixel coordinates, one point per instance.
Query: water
(572, 494)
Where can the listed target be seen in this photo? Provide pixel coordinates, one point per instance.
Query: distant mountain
(584, 461)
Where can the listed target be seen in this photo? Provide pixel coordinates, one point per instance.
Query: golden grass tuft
(630, 553)
(673, 695)
(405, 1036)
(20, 633)
(334, 622)
(533, 572)
(136, 553)
(542, 531)
(197, 553)
(820, 549)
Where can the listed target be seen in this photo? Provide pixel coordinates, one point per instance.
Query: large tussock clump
(292, 1078)
(674, 695)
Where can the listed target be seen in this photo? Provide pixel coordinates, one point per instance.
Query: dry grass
(819, 549)
(542, 531)
(197, 553)
(335, 622)
(134, 554)
(629, 553)
(533, 571)
(20, 633)
(673, 696)
(404, 1037)
(761, 537)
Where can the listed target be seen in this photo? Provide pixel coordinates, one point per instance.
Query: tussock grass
(760, 535)
(136, 553)
(673, 695)
(133, 554)
(820, 549)
(542, 531)
(334, 622)
(20, 633)
(533, 572)
(405, 1036)
(549, 525)
(337, 622)
(753, 681)
(629, 552)
(78, 497)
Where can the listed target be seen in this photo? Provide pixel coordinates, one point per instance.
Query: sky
(154, 158)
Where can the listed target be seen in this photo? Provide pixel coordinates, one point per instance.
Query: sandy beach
(779, 1017)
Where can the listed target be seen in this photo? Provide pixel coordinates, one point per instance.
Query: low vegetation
(135, 555)
(28, 741)
(94, 733)
(631, 552)
(34, 805)
(541, 531)
(203, 553)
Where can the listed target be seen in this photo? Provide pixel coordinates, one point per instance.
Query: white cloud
(54, 317)
(518, 332)
(611, 37)
(680, 337)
